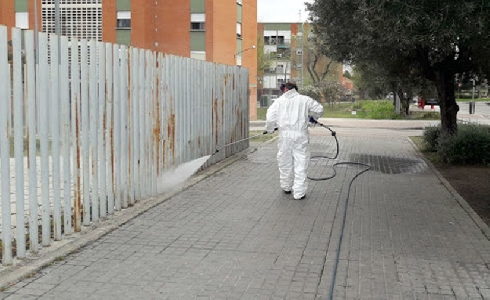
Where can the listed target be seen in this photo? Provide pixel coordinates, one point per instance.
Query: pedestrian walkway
(235, 235)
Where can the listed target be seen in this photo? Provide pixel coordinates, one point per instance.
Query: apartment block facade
(213, 30)
(286, 49)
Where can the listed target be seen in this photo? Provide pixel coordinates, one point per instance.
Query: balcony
(280, 43)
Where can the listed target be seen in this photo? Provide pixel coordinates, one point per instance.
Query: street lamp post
(240, 52)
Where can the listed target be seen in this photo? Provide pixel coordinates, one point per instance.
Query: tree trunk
(444, 82)
(404, 103)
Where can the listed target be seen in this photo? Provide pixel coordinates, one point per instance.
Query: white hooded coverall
(289, 113)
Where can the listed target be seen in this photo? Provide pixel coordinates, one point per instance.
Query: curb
(461, 201)
(25, 268)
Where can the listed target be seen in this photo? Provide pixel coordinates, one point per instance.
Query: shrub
(383, 109)
(431, 136)
(471, 145)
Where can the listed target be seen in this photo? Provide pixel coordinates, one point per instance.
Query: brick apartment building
(213, 30)
(287, 47)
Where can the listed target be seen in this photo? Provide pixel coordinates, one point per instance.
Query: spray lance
(245, 139)
(310, 119)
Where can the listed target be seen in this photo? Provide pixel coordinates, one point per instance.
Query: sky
(281, 10)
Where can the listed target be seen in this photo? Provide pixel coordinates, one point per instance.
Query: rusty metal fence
(90, 135)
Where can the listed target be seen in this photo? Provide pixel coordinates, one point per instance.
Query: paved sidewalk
(235, 235)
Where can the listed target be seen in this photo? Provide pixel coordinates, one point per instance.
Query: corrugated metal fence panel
(101, 124)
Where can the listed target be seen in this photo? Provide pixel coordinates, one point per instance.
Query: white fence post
(65, 135)
(93, 120)
(123, 73)
(109, 135)
(76, 138)
(44, 137)
(32, 139)
(85, 130)
(100, 131)
(55, 137)
(18, 103)
(5, 148)
(117, 128)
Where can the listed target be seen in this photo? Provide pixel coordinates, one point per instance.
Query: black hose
(344, 218)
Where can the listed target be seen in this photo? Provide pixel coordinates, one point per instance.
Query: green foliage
(383, 109)
(367, 109)
(431, 136)
(471, 145)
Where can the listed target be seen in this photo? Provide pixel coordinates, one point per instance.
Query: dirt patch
(473, 184)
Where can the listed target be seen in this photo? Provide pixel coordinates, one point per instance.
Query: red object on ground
(421, 103)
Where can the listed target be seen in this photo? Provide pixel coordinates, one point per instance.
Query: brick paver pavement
(235, 235)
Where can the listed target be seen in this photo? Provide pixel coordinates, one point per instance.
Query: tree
(371, 82)
(319, 67)
(317, 62)
(434, 40)
(264, 61)
(347, 74)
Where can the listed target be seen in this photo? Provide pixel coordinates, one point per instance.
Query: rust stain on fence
(156, 134)
(216, 119)
(171, 134)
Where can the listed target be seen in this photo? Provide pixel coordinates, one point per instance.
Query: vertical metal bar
(43, 135)
(75, 132)
(55, 141)
(161, 101)
(5, 149)
(18, 141)
(109, 129)
(135, 100)
(65, 134)
(117, 128)
(100, 131)
(124, 125)
(85, 131)
(154, 119)
(142, 127)
(181, 113)
(187, 105)
(132, 132)
(93, 121)
(32, 139)
(147, 135)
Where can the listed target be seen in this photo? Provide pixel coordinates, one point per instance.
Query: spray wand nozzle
(324, 126)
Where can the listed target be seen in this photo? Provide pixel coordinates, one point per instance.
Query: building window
(123, 19)
(198, 22)
(198, 26)
(239, 30)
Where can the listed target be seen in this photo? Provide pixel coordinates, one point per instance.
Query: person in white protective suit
(290, 114)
